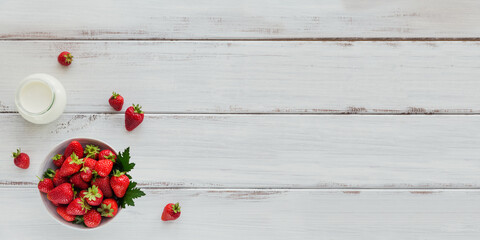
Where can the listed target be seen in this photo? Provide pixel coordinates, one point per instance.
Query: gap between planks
(353, 39)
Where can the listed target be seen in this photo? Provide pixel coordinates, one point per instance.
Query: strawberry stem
(176, 208)
(137, 108)
(115, 95)
(16, 154)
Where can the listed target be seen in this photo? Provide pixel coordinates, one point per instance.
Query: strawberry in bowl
(85, 183)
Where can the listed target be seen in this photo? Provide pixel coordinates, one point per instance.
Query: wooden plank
(250, 19)
(269, 151)
(261, 214)
(255, 77)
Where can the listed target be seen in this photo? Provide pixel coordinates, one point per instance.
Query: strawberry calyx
(137, 108)
(115, 95)
(84, 169)
(57, 157)
(91, 151)
(50, 173)
(106, 210)
(75, 159)
(92, 193)
(78, 220)
(110, 157)
(176, 207)
(84, 205)
(16, 154)
(68, 58)
(117, 173)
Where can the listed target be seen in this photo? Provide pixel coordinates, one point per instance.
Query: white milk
(40, 98)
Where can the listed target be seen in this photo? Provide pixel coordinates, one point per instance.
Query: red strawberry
(82, 193)
(58, 160)
(107, 154)
(92, 151)
(92, 218)
(86, 174)
(70, 166)
(74, 147)
(103, 183)
(104, 167)
(94, 196)
(108, 208)
(78, 182)
(78, 207)
(171, 212)
(119, 183)
(62, 211)
(89, 162)
(50, 199)
(62, 194)
(57, 180)
(133, 117)
(116, 101)
(45, 185)
(21, 160)
(65, 58)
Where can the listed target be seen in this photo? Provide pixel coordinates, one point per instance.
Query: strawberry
(171, 212)
(103, 183)
(78, 182)
(57, 180)
(92, 218)
(62, 194)
(65, 58)
(58, 160)
(50, 199)
(82, 193)
(78, 207)
(86, 174)
(21, 160)
(70, 166)
(104, 167)
(119, 183)
(62, 211)
(94, 196)
(74, 147)
(92, 151)
(107, 154)
(45, 185)
(108, 208)
(133, 117)
(116, 101)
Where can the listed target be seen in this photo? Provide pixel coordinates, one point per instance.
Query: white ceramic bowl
(48, 163)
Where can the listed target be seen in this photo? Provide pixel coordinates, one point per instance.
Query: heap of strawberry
(90, 184)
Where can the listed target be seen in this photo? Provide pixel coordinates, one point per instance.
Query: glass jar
(40, 98)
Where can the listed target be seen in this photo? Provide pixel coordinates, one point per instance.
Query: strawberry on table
(94, 196)
(92, 218)
(45, 185)
(58, 160)
(171, 212)
(20, 159)
(133, 117)
(70, 166)
(62, 211)
(74, 147)
(92, 151)
(78, 207)
(65, 58)
(62, 194)
(108, 208)
(119, 183)
(103, 183)
(116, 101)
(78, 182)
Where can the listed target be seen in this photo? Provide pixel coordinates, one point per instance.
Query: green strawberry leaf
(78, 220)
(50, 173)
(123, 160)
(132, 193)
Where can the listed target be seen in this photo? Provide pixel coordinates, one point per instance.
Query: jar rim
(28, 80)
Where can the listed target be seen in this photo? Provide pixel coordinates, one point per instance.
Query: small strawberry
(62, 211)
(62, 194)
(171, 212)
(58, 160)
(82, 194)
(108, 208)
(86, 174)
(78, 207)
(133, 117)
(65, 58)
(78, 182)
(119, 183)
(45, 185)
(104, 167)
(107, 154)
(70, 166)
(94, 196)
(103, 183)
(21, 160)
(74, 147)
(57, 180)
(91, 151)
(92, 218)
(116, 101)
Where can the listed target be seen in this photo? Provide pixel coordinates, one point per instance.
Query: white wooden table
(332, 119)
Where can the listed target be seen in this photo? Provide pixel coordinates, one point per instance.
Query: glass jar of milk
(40, 98)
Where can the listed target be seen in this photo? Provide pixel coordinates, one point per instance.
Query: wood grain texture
(251, 19)
(255, 77)
(266, 214)
(268, 151)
